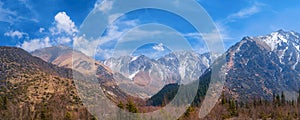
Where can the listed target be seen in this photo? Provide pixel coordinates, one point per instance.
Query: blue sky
(34, 24)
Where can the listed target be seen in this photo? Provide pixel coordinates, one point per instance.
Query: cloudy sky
(34, 24)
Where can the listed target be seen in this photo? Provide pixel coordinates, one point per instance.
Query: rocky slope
(33, 89)
(264, 65)
(66, 57)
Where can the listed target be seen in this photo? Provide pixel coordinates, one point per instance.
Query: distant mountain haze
(66, 57)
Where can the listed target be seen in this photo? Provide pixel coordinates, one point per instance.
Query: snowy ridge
(187, 64)
(280, 38)
(286, 45)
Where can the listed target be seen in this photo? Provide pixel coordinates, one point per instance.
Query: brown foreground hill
(33, 89)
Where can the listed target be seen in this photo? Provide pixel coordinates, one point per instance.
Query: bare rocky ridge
(264, 65)
(255, 68)
(68, 58)
(139, 76)
(33, 89)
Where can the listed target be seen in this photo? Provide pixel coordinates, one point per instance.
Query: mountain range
(144, 76)
(31, 88)
(37, 84)
(66, 57)
(264, 65)
(256, 68)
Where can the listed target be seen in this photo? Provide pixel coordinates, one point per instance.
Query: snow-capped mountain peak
(266, 64)
(177, 67)
(280, 39)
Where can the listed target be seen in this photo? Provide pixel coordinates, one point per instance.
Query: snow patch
(294, 34)
(205, 61)
(282, 38)
(133, 75)
(297, 47)
(134, 58)
(297, 61)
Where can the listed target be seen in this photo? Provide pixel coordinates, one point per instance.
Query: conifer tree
(232, 108)
(188, 111)
(298, 99)
(277, 101)
(282, 98)
(223, 99)
(68, 116)
(131, 107)
(121, 105)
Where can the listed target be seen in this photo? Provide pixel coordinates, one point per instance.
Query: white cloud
(104, 54)
(63, 32)
(211, 36)
(36, 44)
(63, 24)
(10, 16)
(221, 31)
(139, 34)
(214, 35)
(7, 15)
(87, 47)
(193, 35)
(246, 12)
(27, 5)
(214, 40)
(63, 40)
(104, 6)
(159, 47)
(176, 2)
(113, 17)
(16, 33)
(41, 30)
(114, 31)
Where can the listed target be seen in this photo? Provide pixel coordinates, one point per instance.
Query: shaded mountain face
(167, 93)
(36, 89)
(147, 76)
(187, 64)
(263, 66)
